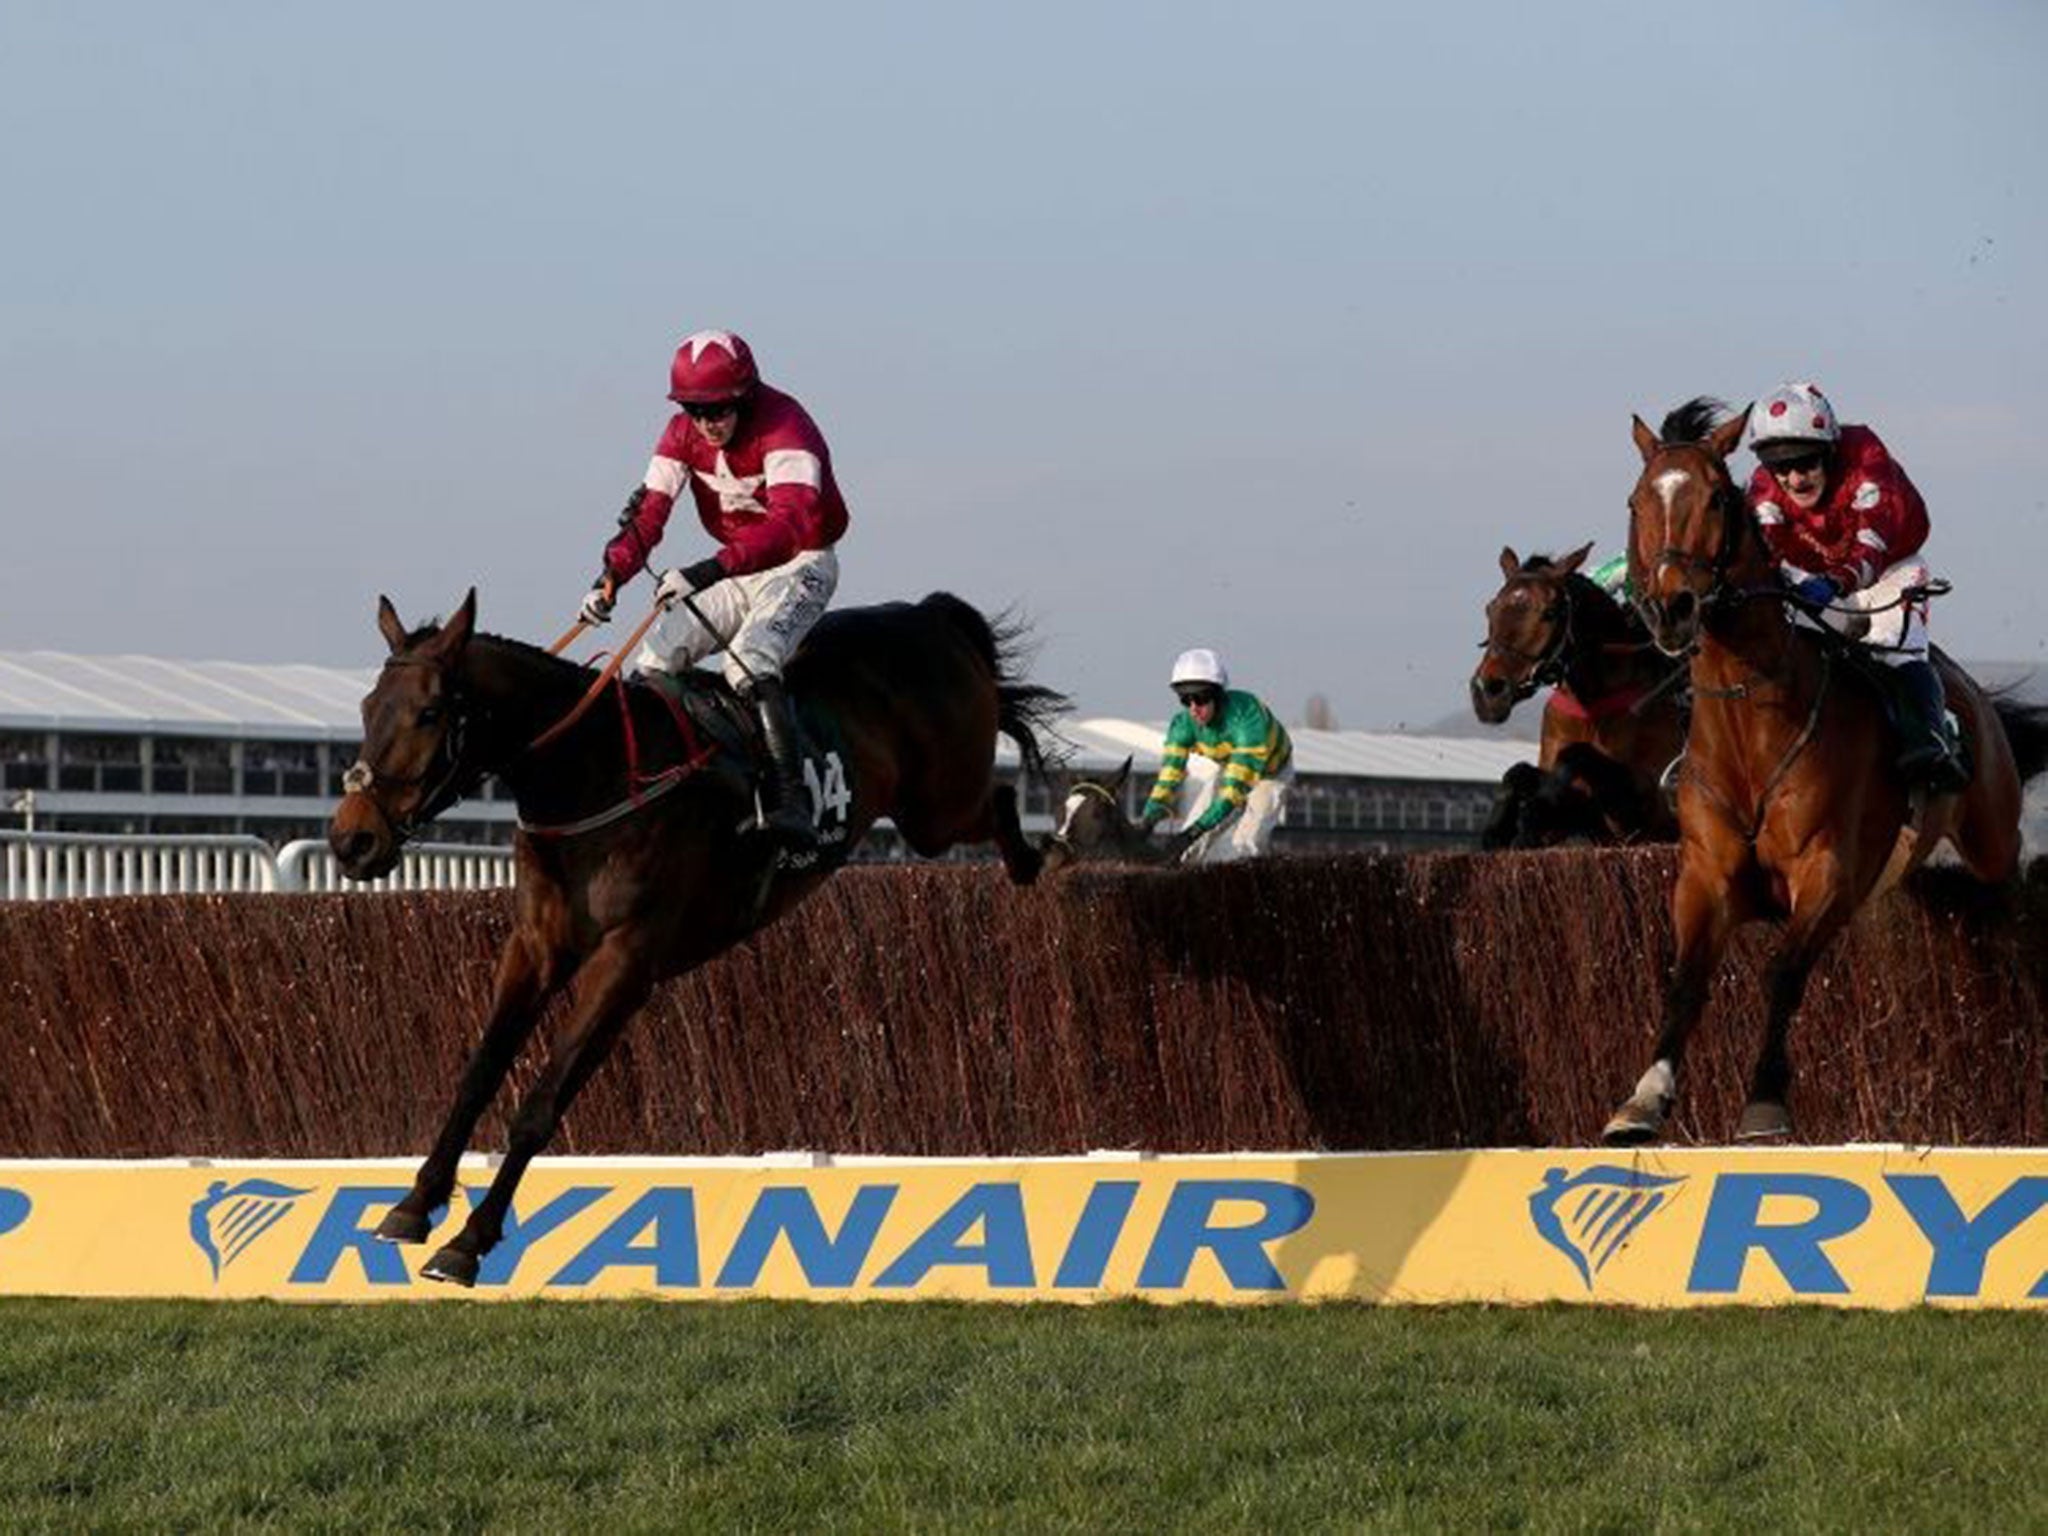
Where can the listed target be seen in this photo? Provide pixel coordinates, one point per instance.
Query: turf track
(781, 1417)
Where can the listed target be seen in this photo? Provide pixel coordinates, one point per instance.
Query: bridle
(361, 778)
(1727, 500)
(1547, 666)
(1059, 838)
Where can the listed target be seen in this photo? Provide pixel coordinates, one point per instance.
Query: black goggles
(1799, 464)
(709, 410)
(1190, 697)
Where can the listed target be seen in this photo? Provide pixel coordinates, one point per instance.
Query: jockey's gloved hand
(1817, 590)
(685, 580)
(1175, 848)
(597, 603)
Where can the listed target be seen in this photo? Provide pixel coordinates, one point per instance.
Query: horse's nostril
(355, 847)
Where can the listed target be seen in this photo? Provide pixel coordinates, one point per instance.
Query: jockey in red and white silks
(757, 467)
(1847, 526)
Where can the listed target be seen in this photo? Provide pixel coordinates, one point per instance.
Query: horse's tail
(1026, 711)
(2026, 732)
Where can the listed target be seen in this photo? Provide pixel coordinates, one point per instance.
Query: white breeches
(757, 620)
(1245, 835)
(1898, 631)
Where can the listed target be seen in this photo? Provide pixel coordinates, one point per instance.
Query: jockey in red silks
(761, 476)
(1847, 525)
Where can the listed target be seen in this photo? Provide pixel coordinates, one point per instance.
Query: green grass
(767, 1416)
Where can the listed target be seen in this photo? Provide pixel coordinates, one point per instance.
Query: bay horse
(1092, 825)
(624, 877)
(1789, 807)
(1615, 720)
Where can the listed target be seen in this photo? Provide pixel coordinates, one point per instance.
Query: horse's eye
(430, 714)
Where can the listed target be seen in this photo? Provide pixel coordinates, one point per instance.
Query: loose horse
(1614, 724)
(1789, 808)
(1093, 825)
(626, 877)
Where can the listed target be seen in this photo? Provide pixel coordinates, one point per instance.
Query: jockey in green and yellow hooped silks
(1242, 762)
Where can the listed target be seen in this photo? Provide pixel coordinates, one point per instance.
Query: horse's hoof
(452, 1266)
(1632, 1126)
(402, 1226)
(1764, 1122)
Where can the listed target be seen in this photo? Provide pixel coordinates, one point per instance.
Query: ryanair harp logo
(1588, 1216)
(229, 1217)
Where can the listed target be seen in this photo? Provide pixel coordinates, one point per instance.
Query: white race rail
(309, 865)
(55, 866)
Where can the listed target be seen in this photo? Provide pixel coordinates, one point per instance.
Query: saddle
(1863, 664)
(718, 715)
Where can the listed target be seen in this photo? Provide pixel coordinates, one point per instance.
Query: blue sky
(1256, 327)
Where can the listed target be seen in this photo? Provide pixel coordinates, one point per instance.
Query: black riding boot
(785, 800)
(1930, 755)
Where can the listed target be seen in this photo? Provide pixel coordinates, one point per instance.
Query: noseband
(448, 759)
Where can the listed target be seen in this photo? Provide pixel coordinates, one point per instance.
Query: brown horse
(1789, 808)
(1614, 724)
(628, 876)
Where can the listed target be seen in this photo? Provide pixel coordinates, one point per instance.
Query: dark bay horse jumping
(1789, 806)
(627, 875)
(1614, 724)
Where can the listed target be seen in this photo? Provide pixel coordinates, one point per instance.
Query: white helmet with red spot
(1790, 422)
(711, 367)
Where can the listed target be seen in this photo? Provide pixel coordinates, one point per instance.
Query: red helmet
(711, 366)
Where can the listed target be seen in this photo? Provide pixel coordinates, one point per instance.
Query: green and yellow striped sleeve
(1173, 767)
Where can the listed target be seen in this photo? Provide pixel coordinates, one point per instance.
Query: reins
(611, 670)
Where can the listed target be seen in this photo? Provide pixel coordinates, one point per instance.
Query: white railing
(56, 866)
(309, 865)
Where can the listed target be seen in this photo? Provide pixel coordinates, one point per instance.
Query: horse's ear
(456, 632)
(1727, 437)
(1646, 440)
(1564, 565)
(1510, 562)
(1123, 775)
(454, 635)
(389, 625)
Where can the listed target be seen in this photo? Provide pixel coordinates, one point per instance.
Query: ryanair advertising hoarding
(1855, 1227)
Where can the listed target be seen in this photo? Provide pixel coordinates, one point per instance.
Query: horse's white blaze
(1067, 813)
(1667, 487)
(1659, 1083)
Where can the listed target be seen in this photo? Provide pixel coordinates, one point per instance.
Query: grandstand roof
(56, 690)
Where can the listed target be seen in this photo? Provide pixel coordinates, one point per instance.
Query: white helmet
(1200, 666)
(1792, 420)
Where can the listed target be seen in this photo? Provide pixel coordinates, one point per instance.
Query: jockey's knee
(745, 668)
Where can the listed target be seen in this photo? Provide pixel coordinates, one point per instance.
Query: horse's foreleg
(614, 984)
(1820, 909)
(1704, 913)
(516, 999)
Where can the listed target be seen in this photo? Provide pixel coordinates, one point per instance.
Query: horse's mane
(1692, 421)
(520, 650)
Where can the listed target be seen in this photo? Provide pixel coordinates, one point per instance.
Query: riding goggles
(1190, 697)
(709, 410)
(1804, 464)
